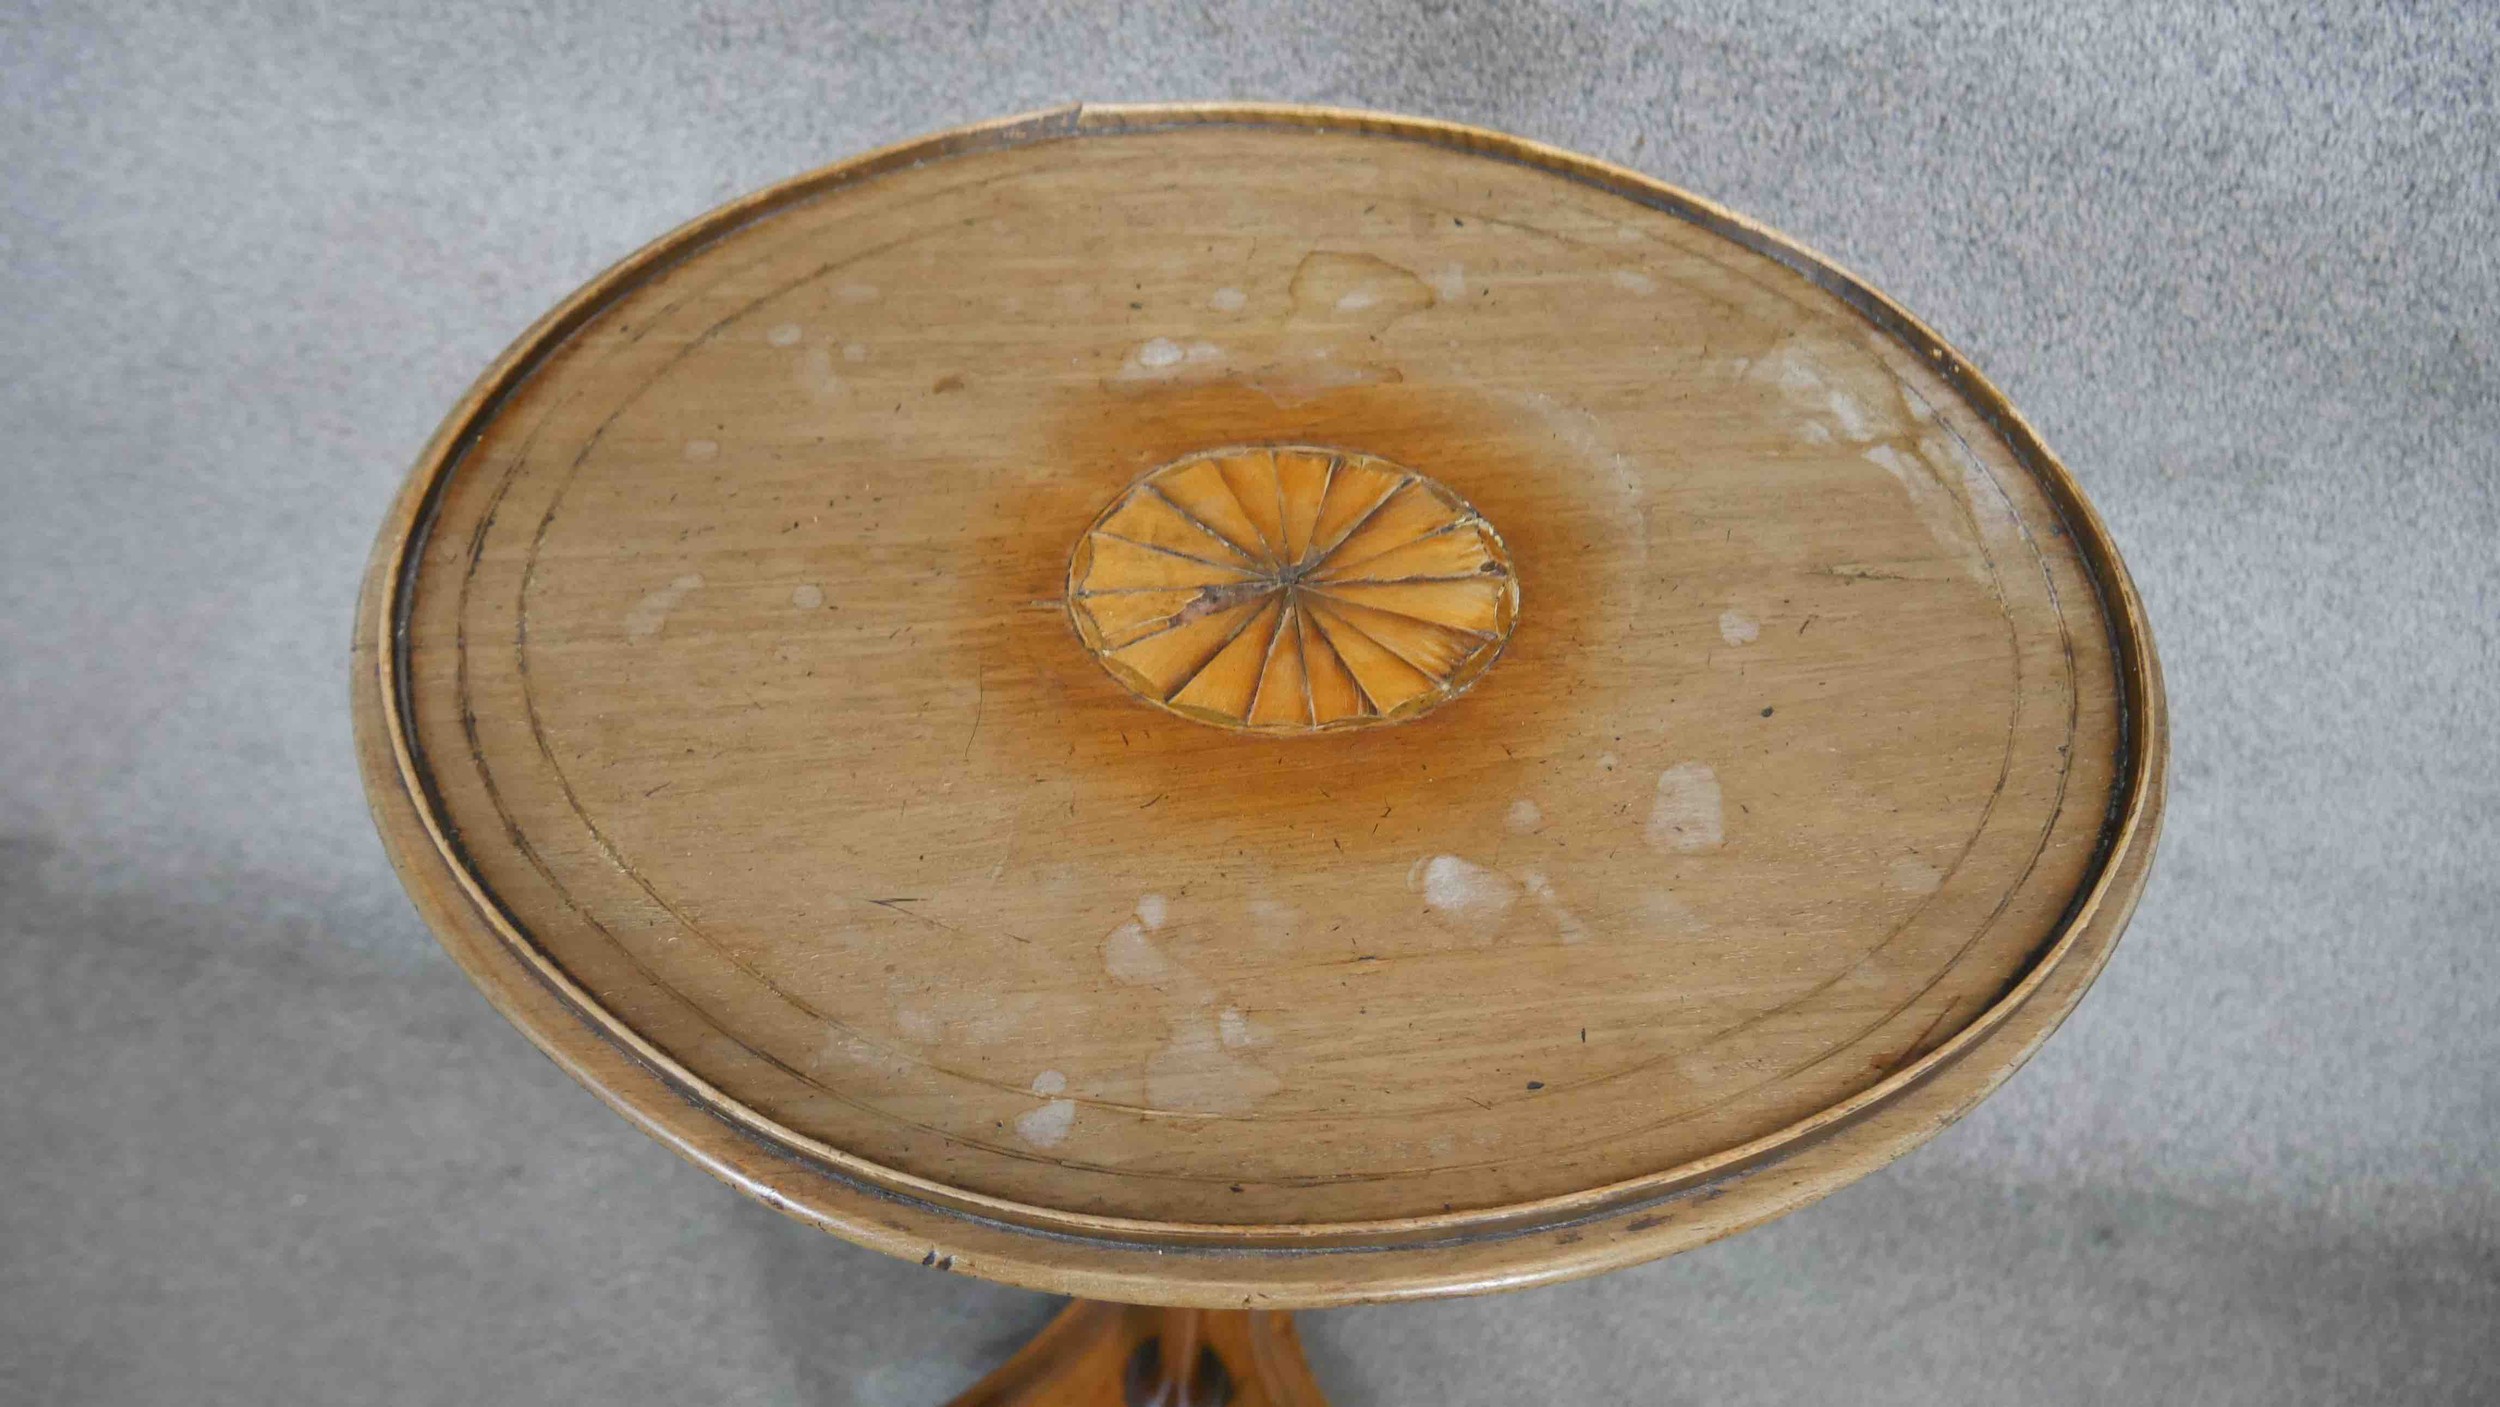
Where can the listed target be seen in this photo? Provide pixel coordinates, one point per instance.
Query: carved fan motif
(1291, 590)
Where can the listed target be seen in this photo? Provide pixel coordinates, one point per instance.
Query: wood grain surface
(722, 705)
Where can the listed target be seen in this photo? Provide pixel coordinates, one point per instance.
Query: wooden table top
(1240, 705)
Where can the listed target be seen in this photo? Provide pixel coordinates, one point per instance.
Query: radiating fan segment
(1285, 589)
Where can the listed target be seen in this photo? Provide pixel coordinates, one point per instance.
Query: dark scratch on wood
(980, 701)
(1919, 1047)
(937, 923)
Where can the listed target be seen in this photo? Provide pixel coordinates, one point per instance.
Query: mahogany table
(1229, 708)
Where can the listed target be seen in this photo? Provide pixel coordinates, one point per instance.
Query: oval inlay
(1292, 589)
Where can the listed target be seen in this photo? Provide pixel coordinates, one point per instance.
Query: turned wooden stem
(1166, 1370)
(1112, 1355)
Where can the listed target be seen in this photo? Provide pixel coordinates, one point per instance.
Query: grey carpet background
(260, 1142)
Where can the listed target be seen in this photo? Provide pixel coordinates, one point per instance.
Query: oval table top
(1250, 705)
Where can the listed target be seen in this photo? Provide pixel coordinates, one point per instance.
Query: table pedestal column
(1119, 1355)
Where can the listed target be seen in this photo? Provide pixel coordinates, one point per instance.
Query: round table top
(1258, 705)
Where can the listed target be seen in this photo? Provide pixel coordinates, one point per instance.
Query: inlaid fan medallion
(1290, 589)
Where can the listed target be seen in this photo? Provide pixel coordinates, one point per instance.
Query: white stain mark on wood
(1937, 509)
(841, 1046)
(1273, 920)
(1525, 816)
(1607, 762)
(916, 1024)
(651, 612)
(1131, 957)
(1450, 281)
(1988, 504)
(1194, 1073)
(1239, 1031)
(1047, 1126)
(808, 596)
(1632, 282)
(701, 451)
(1228, 300)
(1196, 1070)
(1662, 908)
(1737, 628)
(1686, 817)
(1793, 370)
(1915, 876)
(783, 334)
(998, 1019)
(1665, 910)
(1162, 359)
(1848, 416)
(815, 373)
(1566, 923)
(857, 293)
(1356, 300)
(854, 351)
(1465, 896)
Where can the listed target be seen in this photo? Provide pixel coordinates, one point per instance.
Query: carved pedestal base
(1118, 1355)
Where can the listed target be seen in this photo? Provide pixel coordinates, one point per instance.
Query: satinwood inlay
(1290, 589)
